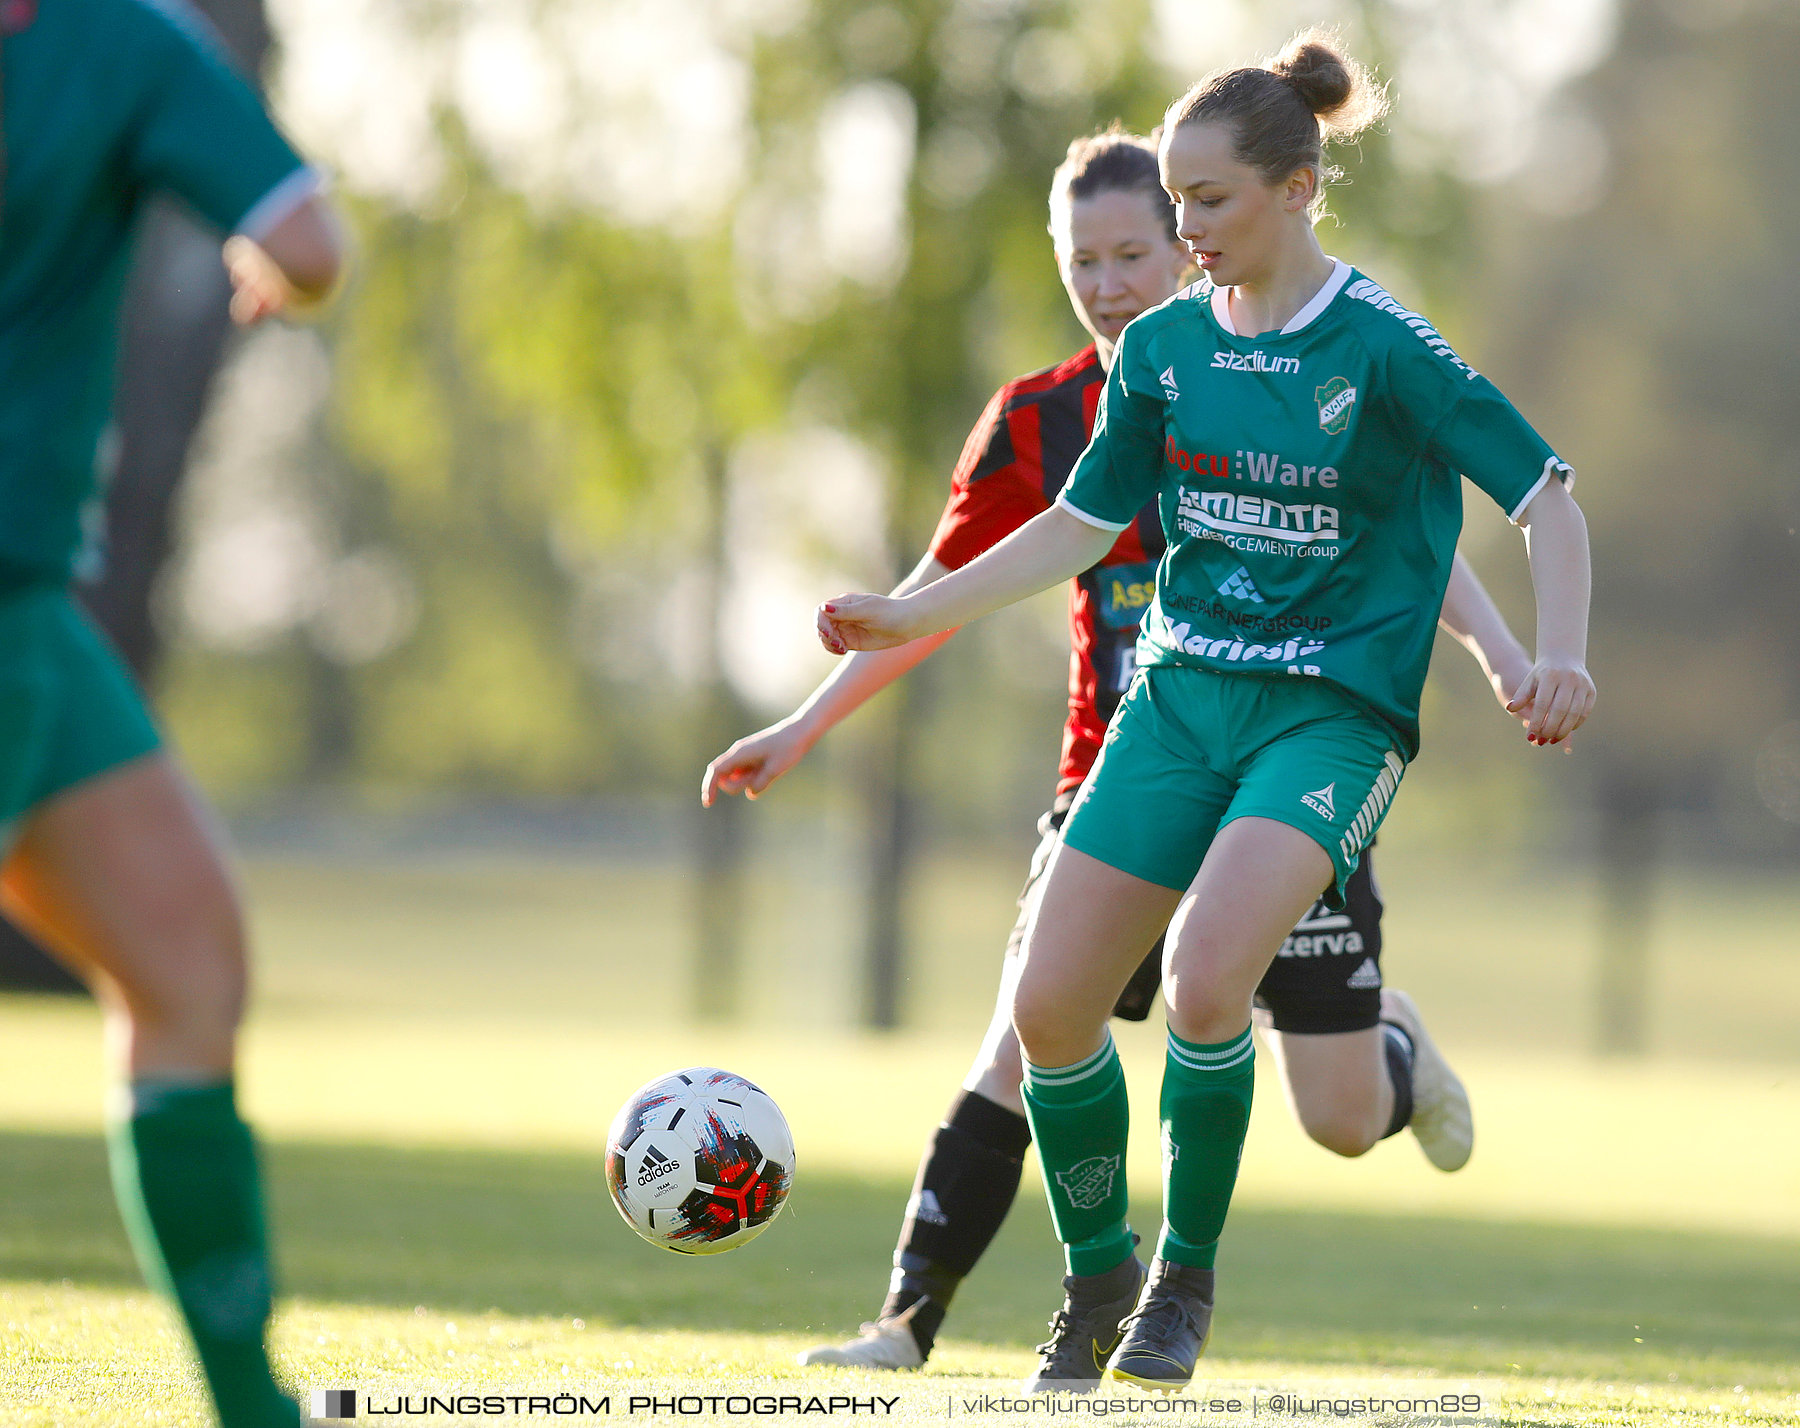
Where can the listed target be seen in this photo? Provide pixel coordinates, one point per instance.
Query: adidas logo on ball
(655, 1165)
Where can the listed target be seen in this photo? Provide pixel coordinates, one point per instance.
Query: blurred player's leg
(121, 877)
(1439, 1114)
(1342, 1042)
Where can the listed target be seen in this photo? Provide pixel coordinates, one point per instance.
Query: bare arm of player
(753, 763)
(1475, 622)
(1047, 550)
(295, 265)
(1558, 693)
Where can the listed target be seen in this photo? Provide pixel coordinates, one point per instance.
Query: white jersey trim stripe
(1316, 304)
(1552, 467)
(1340, 274)
(275, 205)
(1062, 499)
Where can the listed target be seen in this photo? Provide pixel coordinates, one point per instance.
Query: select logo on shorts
(1319, 800)
(1088, 1182)
(334, 1403)
(1335, 399)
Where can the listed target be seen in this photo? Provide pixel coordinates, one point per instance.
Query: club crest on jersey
(1088, 1182)
(1335, 399)
(1319, 800)
(1170, 390)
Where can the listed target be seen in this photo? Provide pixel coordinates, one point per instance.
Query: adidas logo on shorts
(1366, 977)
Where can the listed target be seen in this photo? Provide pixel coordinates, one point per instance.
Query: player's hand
(865, 622)
(1554, 700)
(751, 764)
(1508, 678)
(259, 289)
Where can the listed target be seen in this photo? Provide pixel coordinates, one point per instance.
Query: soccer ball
(699, 1161)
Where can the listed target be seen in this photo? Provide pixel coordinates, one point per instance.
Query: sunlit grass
(438, 1053)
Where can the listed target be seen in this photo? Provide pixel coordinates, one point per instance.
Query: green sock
(185, 1174)
(1080, 1120)
(1205, 1114)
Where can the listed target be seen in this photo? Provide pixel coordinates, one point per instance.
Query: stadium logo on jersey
(1365, 978)
(1256, 362)
(1335, 399)
(1239, 586)
(1170, 390)
(1319, 800)
(1088, 1182)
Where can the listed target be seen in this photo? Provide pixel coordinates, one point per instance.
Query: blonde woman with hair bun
(1305, 436)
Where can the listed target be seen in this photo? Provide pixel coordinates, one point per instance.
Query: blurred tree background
(669, 321)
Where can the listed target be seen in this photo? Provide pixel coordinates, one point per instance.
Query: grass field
(437, 1052)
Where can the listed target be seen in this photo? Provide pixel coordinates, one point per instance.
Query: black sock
(1398, 1048)
(966, 1184)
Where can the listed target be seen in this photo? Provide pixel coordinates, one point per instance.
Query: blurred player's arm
(753, 763)
(1471, 618)
(290, 265)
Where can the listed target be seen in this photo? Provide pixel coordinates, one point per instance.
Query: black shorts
(1326, 977)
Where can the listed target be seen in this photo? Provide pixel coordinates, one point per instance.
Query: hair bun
(1340, 92)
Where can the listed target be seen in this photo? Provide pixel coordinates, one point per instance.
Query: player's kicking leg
(119, 875)
(968, 1180)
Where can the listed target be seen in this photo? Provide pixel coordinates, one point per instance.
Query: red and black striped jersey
(1015, 461)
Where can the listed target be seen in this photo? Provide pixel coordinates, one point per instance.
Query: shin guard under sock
(185, 1174)
(1081, 1118)
(1205, 1115)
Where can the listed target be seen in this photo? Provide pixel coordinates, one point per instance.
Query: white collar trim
(1332, 286)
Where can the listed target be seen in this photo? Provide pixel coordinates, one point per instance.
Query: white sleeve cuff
(279, 202)
(1552, 467)
(1062, 499)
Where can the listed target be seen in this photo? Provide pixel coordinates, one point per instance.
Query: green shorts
(1190, 750)
(68, 707)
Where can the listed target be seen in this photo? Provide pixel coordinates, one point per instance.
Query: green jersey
(1308, 485)
(105, 103)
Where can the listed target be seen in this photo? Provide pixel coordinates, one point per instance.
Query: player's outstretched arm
(1475, 622)
(1048, 549)
(1558, 693)
(294, 265)
(753, 763)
